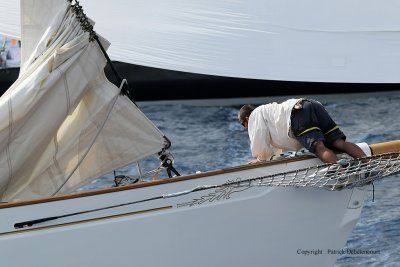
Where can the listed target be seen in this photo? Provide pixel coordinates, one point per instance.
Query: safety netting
(357, 173)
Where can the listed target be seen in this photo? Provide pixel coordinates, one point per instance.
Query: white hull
(259, 226)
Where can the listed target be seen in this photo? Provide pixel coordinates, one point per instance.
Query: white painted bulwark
(257, 226)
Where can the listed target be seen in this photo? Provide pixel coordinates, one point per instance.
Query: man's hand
(253, 161)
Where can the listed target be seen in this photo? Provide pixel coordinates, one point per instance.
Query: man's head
(244, 114)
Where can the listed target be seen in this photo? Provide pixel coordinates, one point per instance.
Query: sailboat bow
(62, 124)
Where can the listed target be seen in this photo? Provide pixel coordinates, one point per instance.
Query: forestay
(62, 123)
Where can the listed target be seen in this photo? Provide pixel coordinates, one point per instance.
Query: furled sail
(309, 40)
(62, 122)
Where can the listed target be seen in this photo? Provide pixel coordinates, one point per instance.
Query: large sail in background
(62, 123)
(10, 18)
(309, 40)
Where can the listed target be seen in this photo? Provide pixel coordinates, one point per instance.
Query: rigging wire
(88, 27)
(124, 86)
(388, 168)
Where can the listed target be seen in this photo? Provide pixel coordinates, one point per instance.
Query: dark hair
(245, 111)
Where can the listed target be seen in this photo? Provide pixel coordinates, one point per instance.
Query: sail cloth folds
(310, 40)
(62, 123)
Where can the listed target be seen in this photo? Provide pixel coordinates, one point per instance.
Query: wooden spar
(380, 148)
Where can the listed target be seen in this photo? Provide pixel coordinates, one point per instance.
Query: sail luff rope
(123, 84)
(88, 27)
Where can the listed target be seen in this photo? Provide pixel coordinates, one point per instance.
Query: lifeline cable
(327, 176)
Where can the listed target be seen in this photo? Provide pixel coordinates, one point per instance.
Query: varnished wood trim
(392, 146)
(153, 183)
(24, 230)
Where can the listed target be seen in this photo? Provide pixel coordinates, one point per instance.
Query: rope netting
(359, 172)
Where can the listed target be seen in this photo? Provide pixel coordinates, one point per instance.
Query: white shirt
(269, 129)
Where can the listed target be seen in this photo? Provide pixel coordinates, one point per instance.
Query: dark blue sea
(209, 137)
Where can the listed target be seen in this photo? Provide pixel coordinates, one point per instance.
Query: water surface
(210, 137)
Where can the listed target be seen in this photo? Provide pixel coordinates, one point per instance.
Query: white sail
(311, 40)
(62, 123)
(10, 18)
